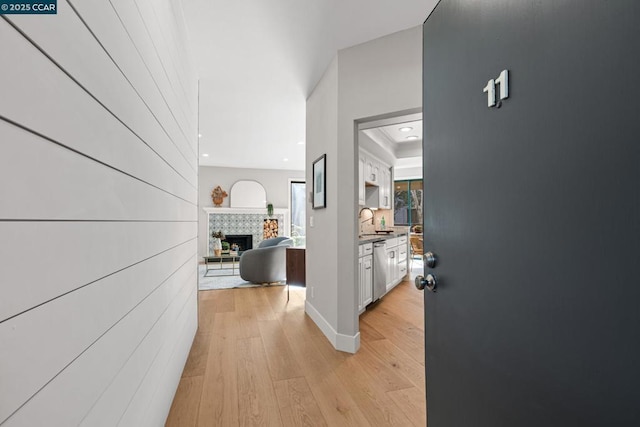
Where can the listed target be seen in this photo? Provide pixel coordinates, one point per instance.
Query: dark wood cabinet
(296, 266)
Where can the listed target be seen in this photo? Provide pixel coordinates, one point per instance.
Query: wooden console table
(296, 272)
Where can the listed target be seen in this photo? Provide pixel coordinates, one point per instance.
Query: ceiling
(402, 140)
(258, 62)
(403, 133)
(396, 139)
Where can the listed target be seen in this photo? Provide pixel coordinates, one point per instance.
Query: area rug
(215, 280)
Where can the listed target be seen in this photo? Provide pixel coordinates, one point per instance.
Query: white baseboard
(346, 343)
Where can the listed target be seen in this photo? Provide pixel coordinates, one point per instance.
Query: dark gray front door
(533, 212)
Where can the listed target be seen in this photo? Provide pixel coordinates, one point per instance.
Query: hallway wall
(98, 213)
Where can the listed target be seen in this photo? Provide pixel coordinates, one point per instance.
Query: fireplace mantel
(227, 210)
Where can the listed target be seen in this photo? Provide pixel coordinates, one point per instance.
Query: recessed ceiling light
(412, 137)
(301, 143)
(205, 155)
(405, 129)
(285, 160)
(199, 135)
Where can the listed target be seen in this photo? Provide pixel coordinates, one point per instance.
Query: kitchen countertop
(369, 238)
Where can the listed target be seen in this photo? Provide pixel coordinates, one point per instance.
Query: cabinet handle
(367, 268)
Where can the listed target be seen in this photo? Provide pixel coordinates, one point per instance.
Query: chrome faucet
(372, 216)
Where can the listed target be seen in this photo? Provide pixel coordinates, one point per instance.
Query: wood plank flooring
(258, 360)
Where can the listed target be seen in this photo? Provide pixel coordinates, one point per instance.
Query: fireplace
(244, 222)
(244, 241)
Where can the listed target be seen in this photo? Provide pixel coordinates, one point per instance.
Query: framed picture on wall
(319, 183)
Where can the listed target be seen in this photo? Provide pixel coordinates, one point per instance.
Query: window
(407, 202)
(298, 211)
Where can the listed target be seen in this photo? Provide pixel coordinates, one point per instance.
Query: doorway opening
(389, 154)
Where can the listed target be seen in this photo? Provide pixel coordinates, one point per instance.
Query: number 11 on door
(490, 88)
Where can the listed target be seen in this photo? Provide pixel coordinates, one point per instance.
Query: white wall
(408, 173)
(322, 237)
(98, 182)
(368, 86)
(275, 183)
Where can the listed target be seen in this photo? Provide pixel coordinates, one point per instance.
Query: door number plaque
(490, 88)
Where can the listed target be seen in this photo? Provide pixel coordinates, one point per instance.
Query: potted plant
(216, 241)
(225, 247)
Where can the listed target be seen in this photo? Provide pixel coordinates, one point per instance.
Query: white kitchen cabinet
(392, 267)
(368, 279)
(402, 270)
(374, 182)
(361, 184)
(388, 189)
(360, 277)
(402, 253)
(366, 282)
(365, 276)
(397, 250)
(382, 190)
(385, 188)
(372, 174)
(402, 259)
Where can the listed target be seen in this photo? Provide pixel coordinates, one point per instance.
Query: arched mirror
(247, 194)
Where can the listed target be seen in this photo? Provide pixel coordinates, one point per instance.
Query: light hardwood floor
(260, 361)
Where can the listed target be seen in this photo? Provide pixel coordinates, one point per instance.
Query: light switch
(310, 221)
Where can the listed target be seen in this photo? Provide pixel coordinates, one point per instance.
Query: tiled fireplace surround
(244, 221)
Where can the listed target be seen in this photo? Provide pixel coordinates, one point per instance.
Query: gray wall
(275, 183)
(367, 86)
(98, 182)
(322, 237)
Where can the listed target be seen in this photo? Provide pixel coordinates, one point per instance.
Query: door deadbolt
(430, 259)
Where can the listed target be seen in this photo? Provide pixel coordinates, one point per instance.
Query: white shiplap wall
(98, 213)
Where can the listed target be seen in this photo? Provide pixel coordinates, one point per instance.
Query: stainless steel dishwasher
(380, 269)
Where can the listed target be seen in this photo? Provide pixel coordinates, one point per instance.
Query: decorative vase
(217, 246)
(218, 195)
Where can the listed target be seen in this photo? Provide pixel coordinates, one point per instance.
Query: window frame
(410, 222)
(292, 182)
